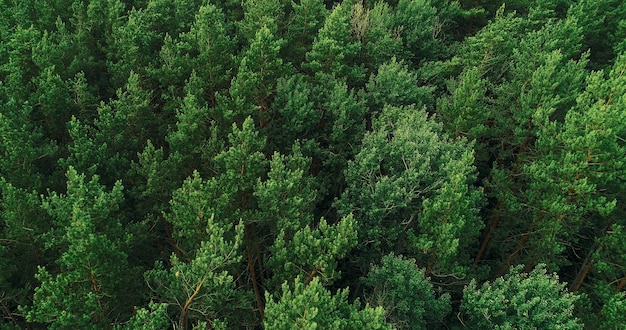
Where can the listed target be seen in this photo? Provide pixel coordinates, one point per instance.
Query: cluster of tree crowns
(283, 164)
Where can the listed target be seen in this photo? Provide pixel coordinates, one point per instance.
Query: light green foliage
(286, 198)
(450, 218)
(520, 301)
(311, 306)
(259, 14)
(240, 167)
(398, 286)
(88, 286)
(397, 186)
(307, 18)
(375, 30)
(463, 113)
(256, 78)
(396, 85)
(614, 311)
(201, 289)
(192, 210)
(335, 50)
(312, 253)
(153, 319)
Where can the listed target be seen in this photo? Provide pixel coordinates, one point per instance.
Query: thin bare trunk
(251, 268)
(522, 243)
(495, 218)
(621, 284)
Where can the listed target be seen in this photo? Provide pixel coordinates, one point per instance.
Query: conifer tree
(374, 29)
(398, 187)
(92, 285)
(255, 82)
(408, 298)
(23, 225)
(24, 150)
(335, 50)
(520, 300)
(201, 289)
(307, 18)
(310, 306)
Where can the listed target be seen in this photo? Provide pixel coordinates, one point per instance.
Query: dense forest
(314, 164)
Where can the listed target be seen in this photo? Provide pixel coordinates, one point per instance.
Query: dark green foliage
(407, 296)
(277, 156)
(408, 188)
(89, 285)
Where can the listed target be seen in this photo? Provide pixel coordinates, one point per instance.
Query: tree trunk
(252, 270)
(495, 218)
(584, 270)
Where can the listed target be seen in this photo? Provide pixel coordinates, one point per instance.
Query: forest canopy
(314, 164)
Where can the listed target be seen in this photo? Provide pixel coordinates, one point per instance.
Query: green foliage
(397, 185)
(153, 319)
(398, 286)
(307, 18)
(520, 301)
(264, 142)
(24, 150)
(87, 290)
(201, 289)
(396, 85)
(286, 198)
(312, 253)
(23, 223)
(416, 21)
(375, 30)
(256, 78)
(260, 14)
(310, 306)
(335, 50)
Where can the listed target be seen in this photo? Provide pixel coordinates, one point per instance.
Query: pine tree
(259, 14)
(311, 306)
(520, 300)
(312, 253)
(374, 29)
(401, 182)
(92, 285)
(24, 150)
(307, 18)
(23, 225)
(255, 82)
(335, 50)
(203, 288)
(396, 85)
(398, 286)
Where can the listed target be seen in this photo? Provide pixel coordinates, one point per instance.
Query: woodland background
(283, 164)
